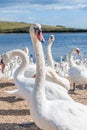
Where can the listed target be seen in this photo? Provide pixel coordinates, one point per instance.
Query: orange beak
(34, 76)
(40, 36)
(78, 52)
(3, 67)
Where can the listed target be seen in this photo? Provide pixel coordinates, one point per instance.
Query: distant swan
(54, 114)
(77, 73)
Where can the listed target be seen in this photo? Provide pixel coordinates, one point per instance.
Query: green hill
(21, 27)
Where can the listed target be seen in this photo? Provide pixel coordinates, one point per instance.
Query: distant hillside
(21, 27)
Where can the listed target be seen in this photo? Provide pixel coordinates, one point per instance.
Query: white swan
(54, 114)
(77, 73)
(55, 77)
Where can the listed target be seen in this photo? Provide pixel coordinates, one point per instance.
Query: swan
(63, 81)
(25, 85)
(52, 114)
(77, 73)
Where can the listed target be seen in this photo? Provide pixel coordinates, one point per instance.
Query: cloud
(44, 11)
(20, 5)
(4, 3)
(26, 8)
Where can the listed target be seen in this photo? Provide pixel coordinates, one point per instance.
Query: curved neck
(55, 77)
(71, 62)
(49, 55)
(39, 87)
(25, 62)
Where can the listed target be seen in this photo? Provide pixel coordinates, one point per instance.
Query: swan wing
(53, 90)
(78, 74)
(30, 71)
(14, 92)
(66, 115)
(25, 86)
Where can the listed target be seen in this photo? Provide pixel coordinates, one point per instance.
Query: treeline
(21, 27)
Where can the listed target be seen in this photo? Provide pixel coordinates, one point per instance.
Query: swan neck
(25, 62)
(70, 58)
(39, 88)
(56, 78)
(49, 55)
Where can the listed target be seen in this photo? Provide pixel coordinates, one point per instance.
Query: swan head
(6, 57)
(26, 50)
(77, 50)
(36, 32)
(51, 38)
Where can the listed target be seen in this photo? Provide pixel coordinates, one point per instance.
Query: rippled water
(61, 46)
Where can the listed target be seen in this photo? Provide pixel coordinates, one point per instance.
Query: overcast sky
(70, 13)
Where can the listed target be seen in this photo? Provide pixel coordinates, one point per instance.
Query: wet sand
(15, 112)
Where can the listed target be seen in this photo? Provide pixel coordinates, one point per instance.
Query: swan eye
(78, 52)
(39, 32)
(51, 38)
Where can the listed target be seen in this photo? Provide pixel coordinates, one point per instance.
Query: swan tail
(15, 92)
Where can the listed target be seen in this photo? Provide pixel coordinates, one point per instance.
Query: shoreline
(43, 32)
(22, 27)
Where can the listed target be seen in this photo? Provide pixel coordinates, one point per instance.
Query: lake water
(63, 43)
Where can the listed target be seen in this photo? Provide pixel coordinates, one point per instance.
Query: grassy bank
(21, 27)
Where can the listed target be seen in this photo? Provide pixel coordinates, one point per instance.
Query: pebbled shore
(15, 112)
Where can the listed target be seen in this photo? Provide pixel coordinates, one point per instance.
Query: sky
(69, 13)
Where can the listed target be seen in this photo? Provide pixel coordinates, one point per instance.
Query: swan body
(77, 73)
(52, 114)
(25, 85)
